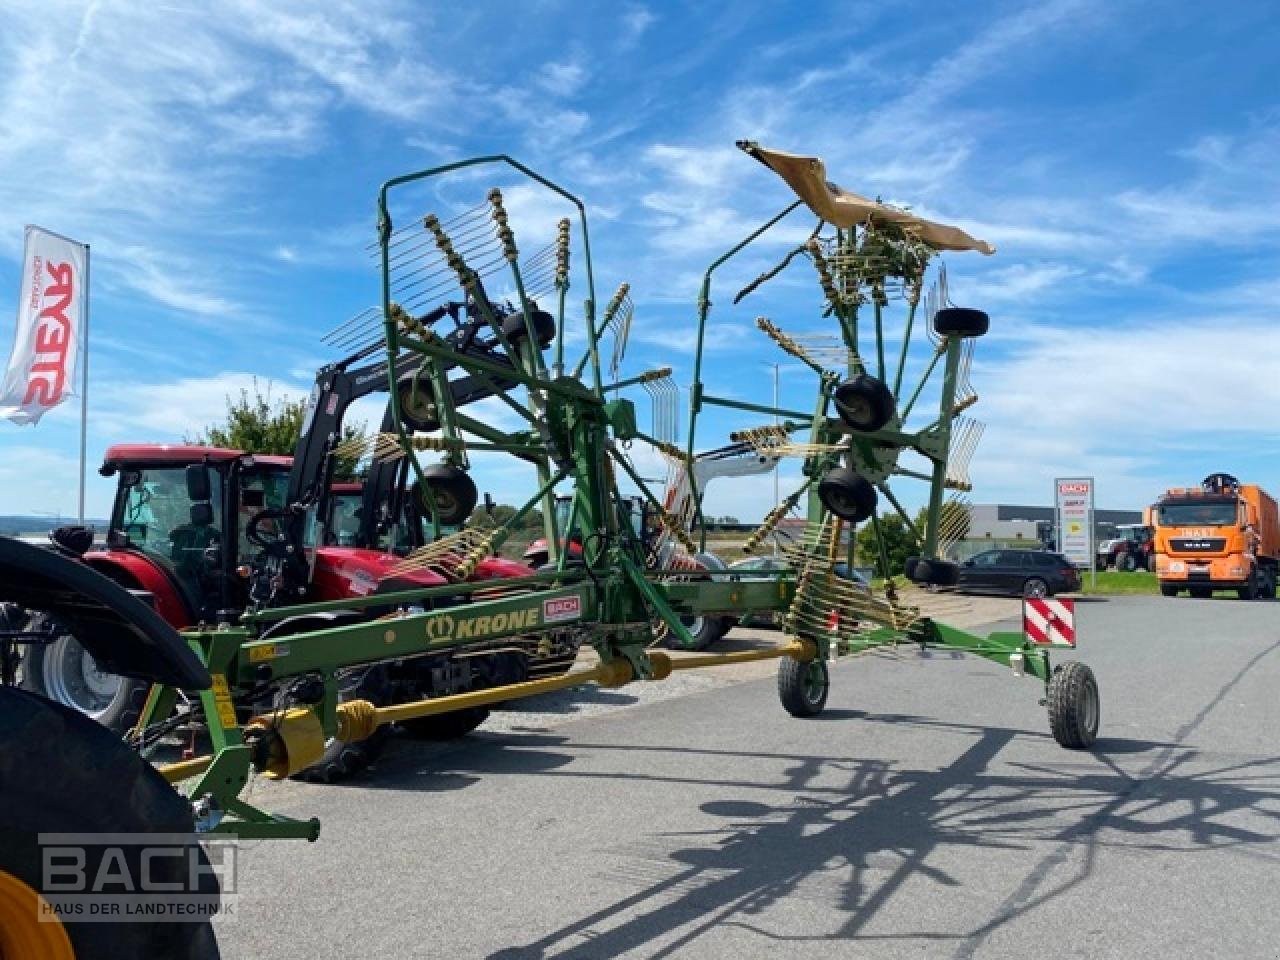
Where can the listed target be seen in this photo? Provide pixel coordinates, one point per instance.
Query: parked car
(1031, 573)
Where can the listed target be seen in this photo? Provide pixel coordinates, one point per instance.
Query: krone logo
(440, 628)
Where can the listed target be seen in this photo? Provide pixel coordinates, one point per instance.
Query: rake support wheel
(961, 322)
(454, 492)
(1074, 706)
(847, 495)
(865, 403)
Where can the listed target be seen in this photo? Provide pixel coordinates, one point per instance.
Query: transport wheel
(1168, 590)
(961, 321)
(445, 726)
(847, 495)
(417, 405)
(864, 403)
(1201, 593)
(1035, 588)
(65, 672)
(89, 781)
(932, 573)
(544, 325)
(802, 687)
(454, 491)
(1074, 705)
(341, 759)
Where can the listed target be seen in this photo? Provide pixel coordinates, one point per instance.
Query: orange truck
(1222, 535)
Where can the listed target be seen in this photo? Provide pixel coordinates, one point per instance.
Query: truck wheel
(89, 781)
(341, 759)
(1250, 590)
(1266, 585)
(1074, 706)
(1168, 590)
(65, 672)
(802, 687)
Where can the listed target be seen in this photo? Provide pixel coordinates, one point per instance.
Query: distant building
(1001, 521)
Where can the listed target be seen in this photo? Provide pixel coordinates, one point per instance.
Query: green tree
(258, 424)
(899, 543)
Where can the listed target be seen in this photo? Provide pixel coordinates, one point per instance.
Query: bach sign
(51, 321)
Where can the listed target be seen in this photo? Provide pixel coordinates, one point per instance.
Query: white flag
(51, 320)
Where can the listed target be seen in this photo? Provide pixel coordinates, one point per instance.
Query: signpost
(1073, 501)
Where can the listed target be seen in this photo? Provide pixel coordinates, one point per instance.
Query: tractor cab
(180, 520)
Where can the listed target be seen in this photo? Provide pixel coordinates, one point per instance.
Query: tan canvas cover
(807, 176)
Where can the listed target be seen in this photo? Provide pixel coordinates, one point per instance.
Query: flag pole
(84, 383)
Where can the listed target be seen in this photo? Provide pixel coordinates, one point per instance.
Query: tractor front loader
(575, 424)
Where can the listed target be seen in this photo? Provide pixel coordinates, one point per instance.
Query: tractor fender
(124, 635)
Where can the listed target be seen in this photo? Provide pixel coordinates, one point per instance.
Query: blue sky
(222, 160)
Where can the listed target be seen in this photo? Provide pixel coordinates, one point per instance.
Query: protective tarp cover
(807, 176)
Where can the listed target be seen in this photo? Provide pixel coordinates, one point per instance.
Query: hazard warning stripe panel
(1049, 622)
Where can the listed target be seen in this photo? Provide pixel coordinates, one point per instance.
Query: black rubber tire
(847, 495)
(1168, 590)
(1075, 708)
(1035, 587)
(1126, 562)
(932, 573)
(90, 781)
(1149, 563)
(120, 716)
(342, 760)
(865, 403)
(1201, 593)
(445, 726)
(1250, 590)
(961, 322)
(1266, 585)
(544, 325)
(454, 491)
(801, 696)
(417, 406)
(909, 567)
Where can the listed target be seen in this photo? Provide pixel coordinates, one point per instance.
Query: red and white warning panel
(1049, 622)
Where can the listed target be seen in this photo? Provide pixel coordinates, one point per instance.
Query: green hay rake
(573, 430)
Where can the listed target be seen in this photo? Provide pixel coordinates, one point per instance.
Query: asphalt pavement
(926, 813)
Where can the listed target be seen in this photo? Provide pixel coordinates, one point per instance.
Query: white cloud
(561, 79)
(1015, 284)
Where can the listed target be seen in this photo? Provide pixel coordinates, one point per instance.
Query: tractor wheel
(454, 492)
(864, 403)
(932, 573)
(802, 687)
(445, 726)
(847, 495)
(1074, 706)
(89, 781)
(544, 325)
(342, 759)
(1168, 590)
(66, 673)
(1126, 562)
(961, 322)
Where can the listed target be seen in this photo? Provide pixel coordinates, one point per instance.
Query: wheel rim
(416, 404)
(73, 678)
(1089, 706)
(1036, 588)
(22, 932)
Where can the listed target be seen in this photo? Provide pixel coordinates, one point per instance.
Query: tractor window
(259, 490)
(1198, 513)
(155, 515)
(345, 525)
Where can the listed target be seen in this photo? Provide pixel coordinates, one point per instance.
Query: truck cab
(1223, 535)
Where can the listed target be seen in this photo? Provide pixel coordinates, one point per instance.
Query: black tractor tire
(1034, 587)
(847, 495)
(705, 631)
(1075, 708)
(454, 491)
(65, 672)
(865, 403)
(445, 726)
(961, 322)
(803, 686)
(61, 772)
(1200, 593)
(1126, 562)
(544, 325)
(342, 760)
(1168, 590)
(932, 573)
